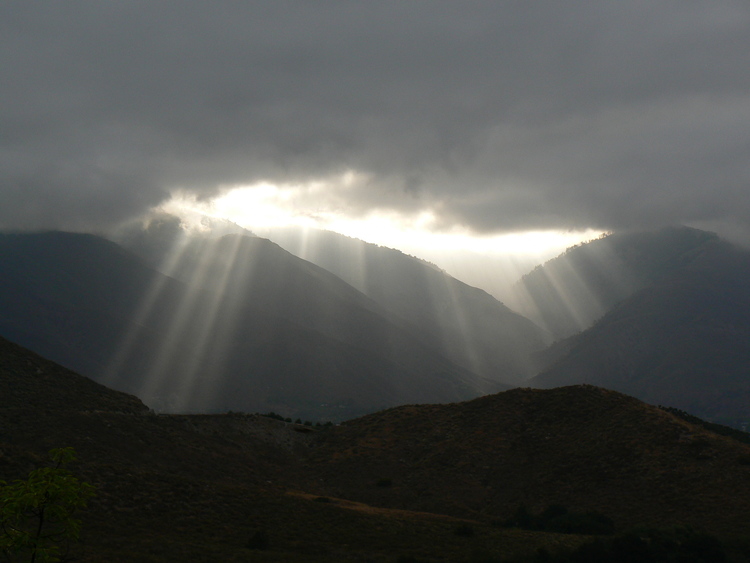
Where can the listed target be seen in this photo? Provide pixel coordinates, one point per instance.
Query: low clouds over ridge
(497, 116)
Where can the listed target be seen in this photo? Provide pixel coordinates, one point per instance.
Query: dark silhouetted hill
(582, 447)
(427, 483)
(32, 382)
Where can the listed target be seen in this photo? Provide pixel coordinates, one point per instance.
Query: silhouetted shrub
(259, 540)
(701, 547)
(464, 530)
(521, 519)
(644, 545)
(557, 518)
(481, 555)
(589, 523)
(630, 547)
(384, 482)
(596, 552)
(551, 512)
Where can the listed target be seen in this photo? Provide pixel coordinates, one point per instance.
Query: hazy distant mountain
(682, 341)
(569, 293)
(257, 329)
(430, 480)
(466, 324)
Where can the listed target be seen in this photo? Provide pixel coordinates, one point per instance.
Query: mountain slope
(466, 324)
(683, 341)
(33, 382)
(569, 293)
(270, 331)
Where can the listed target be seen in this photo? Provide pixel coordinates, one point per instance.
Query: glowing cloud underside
(492, 262)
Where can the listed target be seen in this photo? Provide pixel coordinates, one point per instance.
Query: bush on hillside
(557, 518)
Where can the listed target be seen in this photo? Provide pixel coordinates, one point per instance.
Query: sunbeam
(188, 333)
(458, 336)
(181, 329)
(569, 293)
(214, 268)
(169, 265)
(462, 323)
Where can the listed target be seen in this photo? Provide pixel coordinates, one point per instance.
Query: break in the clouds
(496, 116)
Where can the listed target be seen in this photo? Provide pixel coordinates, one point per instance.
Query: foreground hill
(207, 488)
(426, 483)
(583, 447)
(166, 488)
(29, 381)
(683, 341)
(259, 329)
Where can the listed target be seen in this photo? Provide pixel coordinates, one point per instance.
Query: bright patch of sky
(492, 262)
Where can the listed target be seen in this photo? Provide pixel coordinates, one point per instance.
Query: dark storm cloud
(500, 115)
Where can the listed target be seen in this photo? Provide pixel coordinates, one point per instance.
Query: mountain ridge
(471, 327)
(570, 292)
(100, 310)
(682, 341)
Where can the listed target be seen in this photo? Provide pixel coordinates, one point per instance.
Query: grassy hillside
(583, 447)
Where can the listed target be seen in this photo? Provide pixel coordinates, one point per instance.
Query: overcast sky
(496, 116)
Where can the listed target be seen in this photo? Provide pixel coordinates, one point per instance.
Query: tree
(36, 515)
